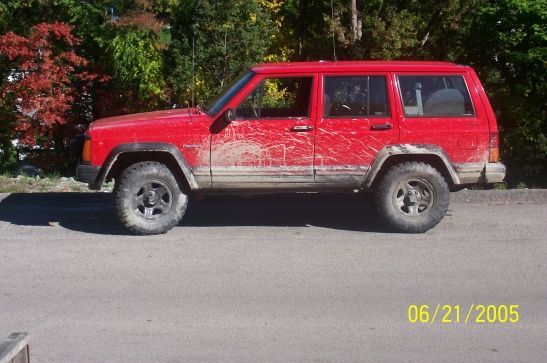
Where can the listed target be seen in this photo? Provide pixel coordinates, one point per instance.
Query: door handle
(379, 127)
(301, 128)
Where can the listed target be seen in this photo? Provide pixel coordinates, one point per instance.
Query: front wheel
(412, 197)
(149, 199)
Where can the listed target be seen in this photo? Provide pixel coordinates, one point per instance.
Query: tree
(161, 53)
(213, 42)
(507, 44)
(304, 30)
(44, 78)
(136, 57)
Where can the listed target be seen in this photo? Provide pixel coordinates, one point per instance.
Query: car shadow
(94, 213)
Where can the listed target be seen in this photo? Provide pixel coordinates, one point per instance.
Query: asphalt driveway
(269, 278)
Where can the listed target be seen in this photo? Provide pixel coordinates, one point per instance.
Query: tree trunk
(434, 21)
(353, 9)
(302, 26)
(356, 26)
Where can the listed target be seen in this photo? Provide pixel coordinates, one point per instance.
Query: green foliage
(500, 186)
(275, 95)
(3, 16)
(303, 29)
(149, 47)
(137, 63)
(8, 152)
(166, 6)
(507, 43)
(223, 37)
(88, 17)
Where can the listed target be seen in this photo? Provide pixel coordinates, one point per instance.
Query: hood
(179, 113)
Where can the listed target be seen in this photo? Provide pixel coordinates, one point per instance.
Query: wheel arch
(126, 154)
(395, 154)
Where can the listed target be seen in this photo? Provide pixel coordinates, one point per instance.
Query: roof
(380, 66)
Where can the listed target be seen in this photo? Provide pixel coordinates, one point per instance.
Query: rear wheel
(412, 197)
(149, 199)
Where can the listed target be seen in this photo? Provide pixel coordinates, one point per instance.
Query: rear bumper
(480, 173)
(494, 172)
(87, 174)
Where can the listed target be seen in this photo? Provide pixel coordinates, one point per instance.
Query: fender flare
(146, 147)
(408, 149)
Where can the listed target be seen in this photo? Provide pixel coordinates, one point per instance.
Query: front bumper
(87, 174)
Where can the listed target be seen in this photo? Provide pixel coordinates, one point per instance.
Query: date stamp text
(466, 314)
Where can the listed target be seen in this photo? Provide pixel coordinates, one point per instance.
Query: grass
(501, 186)
(50, 183)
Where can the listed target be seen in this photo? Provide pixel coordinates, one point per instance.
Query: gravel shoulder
(509, 196)
(25, 184)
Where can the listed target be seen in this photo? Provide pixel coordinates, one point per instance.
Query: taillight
(86, 152)
(494, 154)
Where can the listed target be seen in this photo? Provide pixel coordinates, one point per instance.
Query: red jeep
(407, 131)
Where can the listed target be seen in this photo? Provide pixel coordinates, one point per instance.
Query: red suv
(407, 131)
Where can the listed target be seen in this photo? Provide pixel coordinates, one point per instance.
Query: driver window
(277, 98)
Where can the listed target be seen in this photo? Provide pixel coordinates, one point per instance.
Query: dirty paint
(333, 150)
(266, 148)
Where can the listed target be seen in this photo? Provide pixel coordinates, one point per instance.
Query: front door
(356, 122)
(270, 143)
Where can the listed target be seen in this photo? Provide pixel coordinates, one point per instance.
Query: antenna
(193, 65)
(332, 27)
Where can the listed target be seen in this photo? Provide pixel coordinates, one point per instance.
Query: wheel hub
(414, 196)
(151, 198)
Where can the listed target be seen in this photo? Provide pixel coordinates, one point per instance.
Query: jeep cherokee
(409, 132)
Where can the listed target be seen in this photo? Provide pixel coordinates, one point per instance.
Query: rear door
(270, 143)
(355, 121)
(440, 109)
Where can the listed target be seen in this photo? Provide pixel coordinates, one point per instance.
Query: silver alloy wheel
(152, 200)
(414, 196)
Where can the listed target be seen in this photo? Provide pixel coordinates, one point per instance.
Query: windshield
(221, 101)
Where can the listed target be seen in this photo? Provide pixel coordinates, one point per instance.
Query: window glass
(277, 98)
(355, 96)
(435, 96)
(221, 101)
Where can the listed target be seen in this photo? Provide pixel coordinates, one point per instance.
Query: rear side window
(355, 96)
(435, 96)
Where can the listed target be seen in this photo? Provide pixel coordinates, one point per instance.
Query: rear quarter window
(435, 96)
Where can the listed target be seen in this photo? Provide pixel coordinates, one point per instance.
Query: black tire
(412, 197)
(149, 199)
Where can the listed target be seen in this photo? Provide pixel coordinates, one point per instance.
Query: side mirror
(222, 121)
(230, 114)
